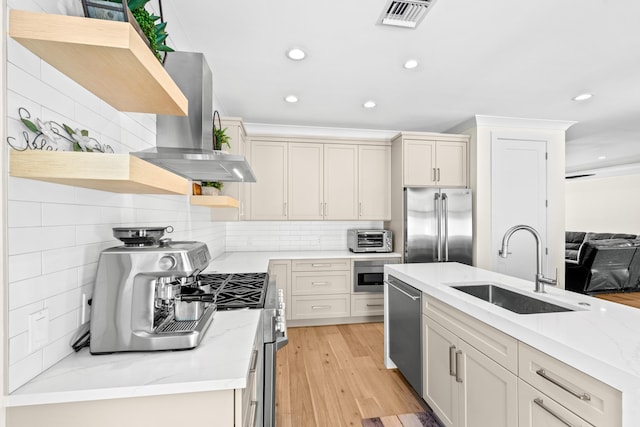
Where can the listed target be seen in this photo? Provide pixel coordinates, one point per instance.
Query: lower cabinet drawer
(596, 402)
(367, 305)
(310, 283)
(321, 264)
(537, 409)
(319, 307)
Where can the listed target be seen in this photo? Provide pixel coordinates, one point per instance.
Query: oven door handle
(281, 342)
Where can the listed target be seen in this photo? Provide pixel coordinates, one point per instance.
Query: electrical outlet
(38, 329)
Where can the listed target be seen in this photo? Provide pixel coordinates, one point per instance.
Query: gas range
(237, 290)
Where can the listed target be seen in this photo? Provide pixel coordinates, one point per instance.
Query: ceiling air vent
(405, 13)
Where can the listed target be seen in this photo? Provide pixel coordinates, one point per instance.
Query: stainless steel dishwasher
(405, 335)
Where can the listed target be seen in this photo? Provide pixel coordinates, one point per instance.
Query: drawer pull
(254, 413)
(319, 283)
(458, 377)
(320, 265)
(551, 412)
(254, 361)
(452, 361)
(581, 396)
(319, 307)
(375, 305)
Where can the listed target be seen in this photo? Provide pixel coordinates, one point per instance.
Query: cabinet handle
(241, 211)
(320, 265)
(452, 361)
(321, 209)
(318, 307)
(581, 396)
(458, 377)
(541, 404)
(254, 413)
(375, 305)
(434, 175)
(254, 361)
(319, 283)
(284, 210)
(438, 175)
(359, 208)
(325, 210)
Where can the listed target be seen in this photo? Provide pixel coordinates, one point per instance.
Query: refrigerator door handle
(445, 204)
(438, 209)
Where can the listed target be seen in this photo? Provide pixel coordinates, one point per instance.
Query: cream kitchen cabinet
(536, 409)
(469, 369)
(558, 384)
(268, 197)
(341, 169)
(238, 190)
(434, 160)
(306, 181)
(462, 385)
(374, 182)
(320, 288)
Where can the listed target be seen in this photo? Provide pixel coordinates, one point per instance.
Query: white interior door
(519, 195)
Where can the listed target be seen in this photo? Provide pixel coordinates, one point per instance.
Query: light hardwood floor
(335, 376)
(627, 298)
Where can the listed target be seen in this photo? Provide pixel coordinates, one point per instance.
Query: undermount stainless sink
(513, 301)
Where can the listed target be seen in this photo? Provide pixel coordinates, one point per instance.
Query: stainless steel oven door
(368, 275)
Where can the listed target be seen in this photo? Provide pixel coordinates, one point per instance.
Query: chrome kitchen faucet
(541, 280)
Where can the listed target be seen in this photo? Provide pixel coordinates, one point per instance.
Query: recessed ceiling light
(583, 97)
(369, 104)
(292, 99)
(296, 54)
(411, 64)
(602, 157)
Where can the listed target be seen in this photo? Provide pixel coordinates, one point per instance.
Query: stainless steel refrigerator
(438, 225)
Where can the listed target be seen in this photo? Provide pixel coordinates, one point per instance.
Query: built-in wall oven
(368, 275)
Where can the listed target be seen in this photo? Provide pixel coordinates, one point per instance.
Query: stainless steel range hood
(184, 145)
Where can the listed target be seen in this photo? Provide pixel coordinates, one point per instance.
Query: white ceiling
(495, 57)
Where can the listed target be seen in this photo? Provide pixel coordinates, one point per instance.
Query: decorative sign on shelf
(50, 136)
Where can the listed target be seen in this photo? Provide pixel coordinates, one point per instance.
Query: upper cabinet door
(340, 181)
(374, 182)
(451, 164)
(269, 192)
(419, 158)
(306, 183)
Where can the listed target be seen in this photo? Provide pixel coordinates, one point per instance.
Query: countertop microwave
(370, 240)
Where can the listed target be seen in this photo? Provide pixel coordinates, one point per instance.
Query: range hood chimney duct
(184, 145)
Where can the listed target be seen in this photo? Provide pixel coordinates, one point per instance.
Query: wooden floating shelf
(108, 58)
(117, 173)
(215, 201)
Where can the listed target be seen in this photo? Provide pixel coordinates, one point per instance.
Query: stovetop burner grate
(237, 290)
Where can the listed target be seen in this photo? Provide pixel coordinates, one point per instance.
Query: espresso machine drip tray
(172, 326)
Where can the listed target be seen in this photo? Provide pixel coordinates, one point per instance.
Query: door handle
(541, 404)
(284, 210)
(415, 298)
(581, 396)
(445, 204)
(458, 355)
(438, 175)
(452, 361)
(438, 208)
(434, 175)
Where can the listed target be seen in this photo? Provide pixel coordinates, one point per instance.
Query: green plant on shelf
(214, 184)
(220, 138)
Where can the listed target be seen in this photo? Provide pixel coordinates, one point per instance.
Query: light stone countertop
(220, 362)
(256, 262)
(601, 340)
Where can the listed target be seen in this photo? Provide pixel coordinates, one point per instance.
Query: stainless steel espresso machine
(146, 296)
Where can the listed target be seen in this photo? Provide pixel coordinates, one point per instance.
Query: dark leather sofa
(604, 262)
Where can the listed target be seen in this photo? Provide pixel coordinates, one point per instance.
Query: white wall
(610, 204)
(56, 232)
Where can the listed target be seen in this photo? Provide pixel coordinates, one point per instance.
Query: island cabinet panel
(582, 394)
(205, 409)
(536, 409)
(462, 385)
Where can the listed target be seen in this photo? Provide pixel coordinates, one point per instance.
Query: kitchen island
(598, 338)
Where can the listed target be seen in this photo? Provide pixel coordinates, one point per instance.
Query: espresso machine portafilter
(136, 291)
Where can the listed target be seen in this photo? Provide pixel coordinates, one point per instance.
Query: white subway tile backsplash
(39, 191)
(64, 303)
(57, 350)
(24, 266)
(23, 370)
(66, 258)
(18, 347)
(24, 214)
(68, 214)
(36, 239)
(19, 317)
